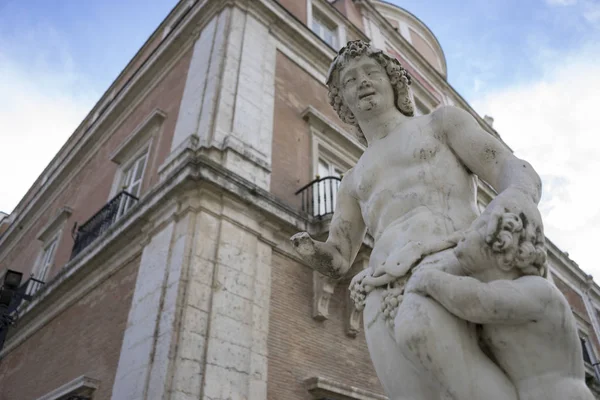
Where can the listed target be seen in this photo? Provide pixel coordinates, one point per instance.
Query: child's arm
(498, 302)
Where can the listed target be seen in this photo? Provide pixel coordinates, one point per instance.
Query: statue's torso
(412, 187)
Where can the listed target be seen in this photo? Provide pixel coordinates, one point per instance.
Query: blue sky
(534, 65)
(491, 43)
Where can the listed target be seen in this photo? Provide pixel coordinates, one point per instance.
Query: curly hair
(398, 76)
(515, 250)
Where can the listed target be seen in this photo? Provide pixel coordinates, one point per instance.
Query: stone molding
(141, 135)
(55, 224)
(320, 388)
(83, 385)
(323, 288)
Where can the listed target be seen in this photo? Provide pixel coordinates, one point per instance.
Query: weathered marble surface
(456, 304)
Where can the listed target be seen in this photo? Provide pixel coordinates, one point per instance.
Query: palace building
(154, 248)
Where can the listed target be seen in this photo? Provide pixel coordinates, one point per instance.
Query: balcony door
(132, 183)
(325, 192)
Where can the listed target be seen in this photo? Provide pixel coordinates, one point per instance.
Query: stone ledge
(83, 386)
(323, 388)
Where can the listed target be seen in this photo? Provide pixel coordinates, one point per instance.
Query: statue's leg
(399, 378)
(446, 350)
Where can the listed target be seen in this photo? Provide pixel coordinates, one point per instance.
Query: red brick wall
(85, 339)
(295, 90)
(350, 11)
(573, 298)
(578, 306)
(300, 347)
(296, 7)
(89, 190)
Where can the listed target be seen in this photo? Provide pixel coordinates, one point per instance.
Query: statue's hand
(417, 283)
(303, 244)
(358, 278)
(359, 290)
(400, 261)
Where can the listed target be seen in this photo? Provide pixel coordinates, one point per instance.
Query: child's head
(509, 248)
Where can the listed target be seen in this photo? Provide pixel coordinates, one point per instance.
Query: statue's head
(363, 79)
(510, 249)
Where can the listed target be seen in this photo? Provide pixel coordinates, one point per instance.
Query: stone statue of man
(414, 190)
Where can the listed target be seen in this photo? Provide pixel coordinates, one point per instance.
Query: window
(334, 151)
(325, 30)
(132, 182)
(325, 194)
(45, 263)
(585, 347)
(47, 260)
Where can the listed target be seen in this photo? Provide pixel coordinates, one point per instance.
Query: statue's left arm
(518, 185)
(486, 156)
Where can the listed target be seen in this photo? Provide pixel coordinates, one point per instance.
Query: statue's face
(365, 87)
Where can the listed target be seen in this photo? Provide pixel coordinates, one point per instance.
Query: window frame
(140, 141)
(322, 26)
(45, 265)
(132, 166)
(326, 15)
(50, 235)
(584, 338)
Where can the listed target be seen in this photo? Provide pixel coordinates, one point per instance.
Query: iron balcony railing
(25, 292)
(94, 227)
(319, 196)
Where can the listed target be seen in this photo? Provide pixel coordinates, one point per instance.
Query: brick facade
(83, 340)
(89, 188)
(295, 90)
(301, 347)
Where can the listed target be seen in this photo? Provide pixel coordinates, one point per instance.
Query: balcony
(94, 227)
(319, 196)
(25, 292)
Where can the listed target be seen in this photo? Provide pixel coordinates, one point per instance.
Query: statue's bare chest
(400, 161)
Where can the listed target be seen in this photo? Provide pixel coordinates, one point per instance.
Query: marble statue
(456, 303)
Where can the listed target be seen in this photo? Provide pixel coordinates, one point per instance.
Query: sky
(533, 65)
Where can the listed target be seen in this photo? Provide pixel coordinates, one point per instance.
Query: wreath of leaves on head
(398, 76)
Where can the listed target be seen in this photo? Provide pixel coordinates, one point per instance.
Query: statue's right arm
(335, 256)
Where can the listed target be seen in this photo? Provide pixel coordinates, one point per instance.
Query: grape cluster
(358, 295)
(389, 305)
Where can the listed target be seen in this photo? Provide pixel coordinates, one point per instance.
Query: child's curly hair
(515, 250)
(398, 76)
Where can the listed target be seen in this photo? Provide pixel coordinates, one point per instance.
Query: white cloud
(591, 12)
(554, 123)
(43, 100)
(561, 2)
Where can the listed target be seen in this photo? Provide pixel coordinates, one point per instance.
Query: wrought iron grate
(102, 220)
(319, 196)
